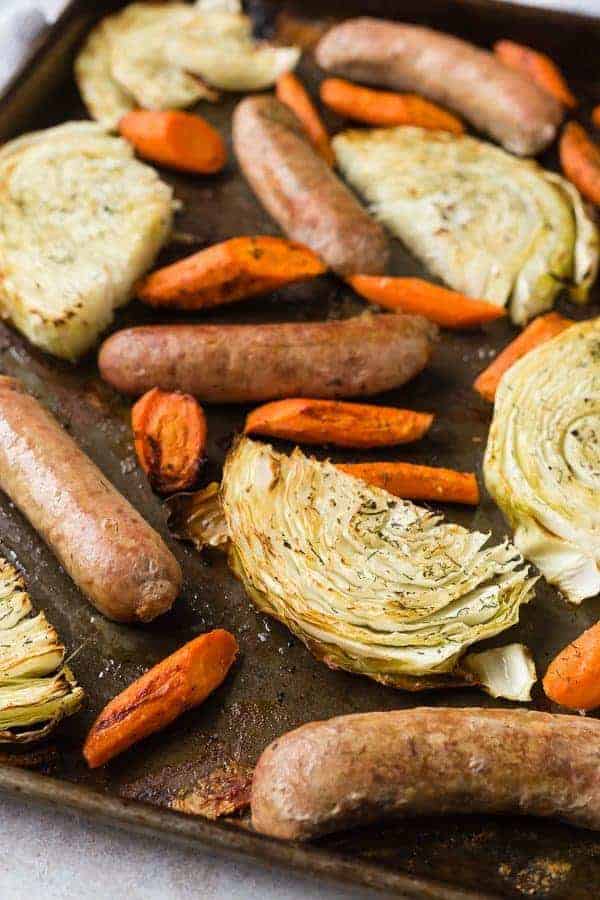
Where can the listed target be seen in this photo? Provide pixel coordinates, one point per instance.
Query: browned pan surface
(277, 685)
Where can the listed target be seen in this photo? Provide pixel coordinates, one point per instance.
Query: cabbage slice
(542, 462)
(487, 223)
(370, 583)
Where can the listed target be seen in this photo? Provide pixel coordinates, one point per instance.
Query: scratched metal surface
(277, 685)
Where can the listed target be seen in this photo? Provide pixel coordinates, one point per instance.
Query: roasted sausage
(301, 192)
(110, 552)
(473, 82)
(251, 363)
(356, 769)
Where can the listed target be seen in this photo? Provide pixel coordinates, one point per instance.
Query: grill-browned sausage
(252, 363)
(473, 82)
(301, 192)
(110, 552)
(356, 769)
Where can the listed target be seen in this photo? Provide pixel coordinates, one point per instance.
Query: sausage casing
(301, 192)
(252, 363)
(108, 549)
(357, 769)
(473, 82)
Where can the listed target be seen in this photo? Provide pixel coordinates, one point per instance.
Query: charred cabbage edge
(489, 224)
(542, 461)
(371, 584)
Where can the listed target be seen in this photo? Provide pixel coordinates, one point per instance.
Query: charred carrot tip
(440, 305)
(233, 270)
(414, 482)
(538, 332)
(385, 108)
(356, 425)
(170, 438)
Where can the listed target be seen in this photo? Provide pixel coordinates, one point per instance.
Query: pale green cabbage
(489, 224)
(371, 583)
(542, 462)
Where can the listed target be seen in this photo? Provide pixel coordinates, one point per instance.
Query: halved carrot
(175, 139)
(573, 677)
(413, 295)
(358, 425)
(538, 67)
(239, 268)
(179, 682)
(538, 332)
(414, 482)
(580, 160)
(386, 108)
(290, 90)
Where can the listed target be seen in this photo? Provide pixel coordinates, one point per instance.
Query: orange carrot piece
(538, 332)
(175, 139)
(538, 67)
(413, 295)
(291, 92)
(357, 425)
(596, 116)
(169, 430)
(386, 108)
(238, 268)
(174, 685)
(573, 677)
(580, 160)
(413, 482)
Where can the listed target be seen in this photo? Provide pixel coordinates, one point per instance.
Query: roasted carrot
(596, 116)
(538, 67)
(239, 268)
(179, 682)
(290, 90)
(175, 139)
(413, 295)
(169, 431)
(538, 332)
(385, 107)
(573, 677)
(358, 425)
(413, 482)
(580, 160)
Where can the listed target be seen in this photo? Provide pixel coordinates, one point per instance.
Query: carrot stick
(596, 116)
(175, 139)
(412, 295)
(573, 677)
(414, 482)
(239, 268)
(538, 332)
(179, 682)
(580, 160)
(538, 67)
(289, 90)
(331, 422)
(385, 107)
(169, 430)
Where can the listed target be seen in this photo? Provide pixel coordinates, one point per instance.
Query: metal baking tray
(277, 685)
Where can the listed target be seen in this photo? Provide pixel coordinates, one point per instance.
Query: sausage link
(300, 191)
(252, 363)
(473, 82)
(108, 549)
(357, 769)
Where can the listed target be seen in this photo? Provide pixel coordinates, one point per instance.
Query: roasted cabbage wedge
(171, 55)
(542, 462)
(36, 689)
(370, 583)
(489, 224)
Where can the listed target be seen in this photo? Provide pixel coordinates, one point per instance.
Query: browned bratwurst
(110, 552)
(473, 82)
(300, 191)
(251, 363)
(356, 769)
